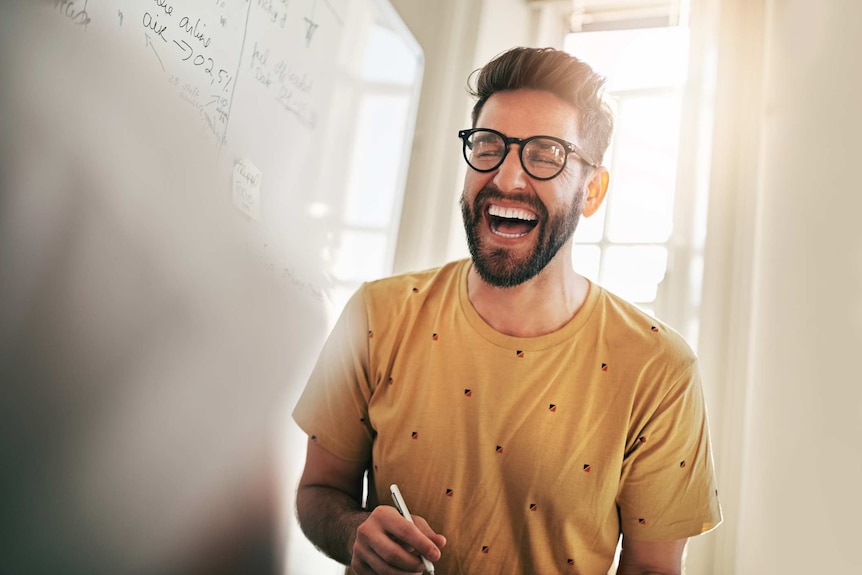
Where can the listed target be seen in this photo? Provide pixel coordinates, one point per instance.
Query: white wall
(801, 504)
(783, 299)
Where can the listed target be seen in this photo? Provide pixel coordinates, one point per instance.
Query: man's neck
(536, 307)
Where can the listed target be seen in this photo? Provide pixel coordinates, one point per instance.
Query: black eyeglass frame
(522, 142)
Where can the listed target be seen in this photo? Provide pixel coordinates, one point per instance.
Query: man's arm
(328, 504)
(651, 558)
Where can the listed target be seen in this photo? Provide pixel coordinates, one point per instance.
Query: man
(528, 416)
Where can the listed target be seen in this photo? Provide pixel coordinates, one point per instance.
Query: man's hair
(556, 72)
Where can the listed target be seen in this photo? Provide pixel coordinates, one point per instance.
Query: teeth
(512, 213)
(510, 236)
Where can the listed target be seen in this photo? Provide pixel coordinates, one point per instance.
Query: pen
(402, 507)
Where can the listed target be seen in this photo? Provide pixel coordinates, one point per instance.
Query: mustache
(490, 192)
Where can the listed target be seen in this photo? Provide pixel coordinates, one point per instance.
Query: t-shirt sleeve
(668, 489)
(333, 408)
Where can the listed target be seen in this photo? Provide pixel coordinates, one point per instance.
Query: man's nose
(510, 175)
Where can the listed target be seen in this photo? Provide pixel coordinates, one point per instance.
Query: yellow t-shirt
(531, 455)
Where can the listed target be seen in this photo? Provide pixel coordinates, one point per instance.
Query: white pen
(402, 507)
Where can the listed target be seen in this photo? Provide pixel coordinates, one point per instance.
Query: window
(629, 244)
(373, 161)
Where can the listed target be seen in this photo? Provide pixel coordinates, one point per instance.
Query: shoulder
(397, 306)
(652, 361)
(628, 327)
(400, 292)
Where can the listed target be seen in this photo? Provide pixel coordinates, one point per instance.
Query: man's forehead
(524, 113)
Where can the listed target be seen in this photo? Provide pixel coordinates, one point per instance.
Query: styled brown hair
(559, 73)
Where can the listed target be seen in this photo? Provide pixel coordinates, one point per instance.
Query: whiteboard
(310, 107)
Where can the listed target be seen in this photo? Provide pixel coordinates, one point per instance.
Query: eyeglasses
(542, 157)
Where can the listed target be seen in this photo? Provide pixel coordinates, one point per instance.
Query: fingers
(419, 538)
(438, 540)
(374, 565)
(388, 544)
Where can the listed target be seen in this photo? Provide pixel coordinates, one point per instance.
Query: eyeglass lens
(540, 157)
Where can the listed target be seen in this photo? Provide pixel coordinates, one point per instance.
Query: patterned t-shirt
(531, 455)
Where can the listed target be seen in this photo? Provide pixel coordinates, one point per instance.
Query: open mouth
(511, 222)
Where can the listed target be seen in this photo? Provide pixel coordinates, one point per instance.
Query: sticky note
(246, 188)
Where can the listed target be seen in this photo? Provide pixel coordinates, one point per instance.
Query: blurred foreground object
(145, 353)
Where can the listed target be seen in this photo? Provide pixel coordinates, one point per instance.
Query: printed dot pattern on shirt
(533, 508)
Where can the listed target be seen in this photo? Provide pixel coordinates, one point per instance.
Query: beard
(500, 267)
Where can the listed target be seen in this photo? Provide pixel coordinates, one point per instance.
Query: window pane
(587, 260)
(634, 272)
(378, 153)
(590, 229)
(387, 60)
(644, 171)
(634, 59)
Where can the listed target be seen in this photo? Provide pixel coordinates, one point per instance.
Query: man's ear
(596, 190)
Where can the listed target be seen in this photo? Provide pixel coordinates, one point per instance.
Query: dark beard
(498, 267)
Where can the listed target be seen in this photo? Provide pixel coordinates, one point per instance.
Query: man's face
(515, 224)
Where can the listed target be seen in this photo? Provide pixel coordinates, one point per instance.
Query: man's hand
(387, 544)
(329, 510)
